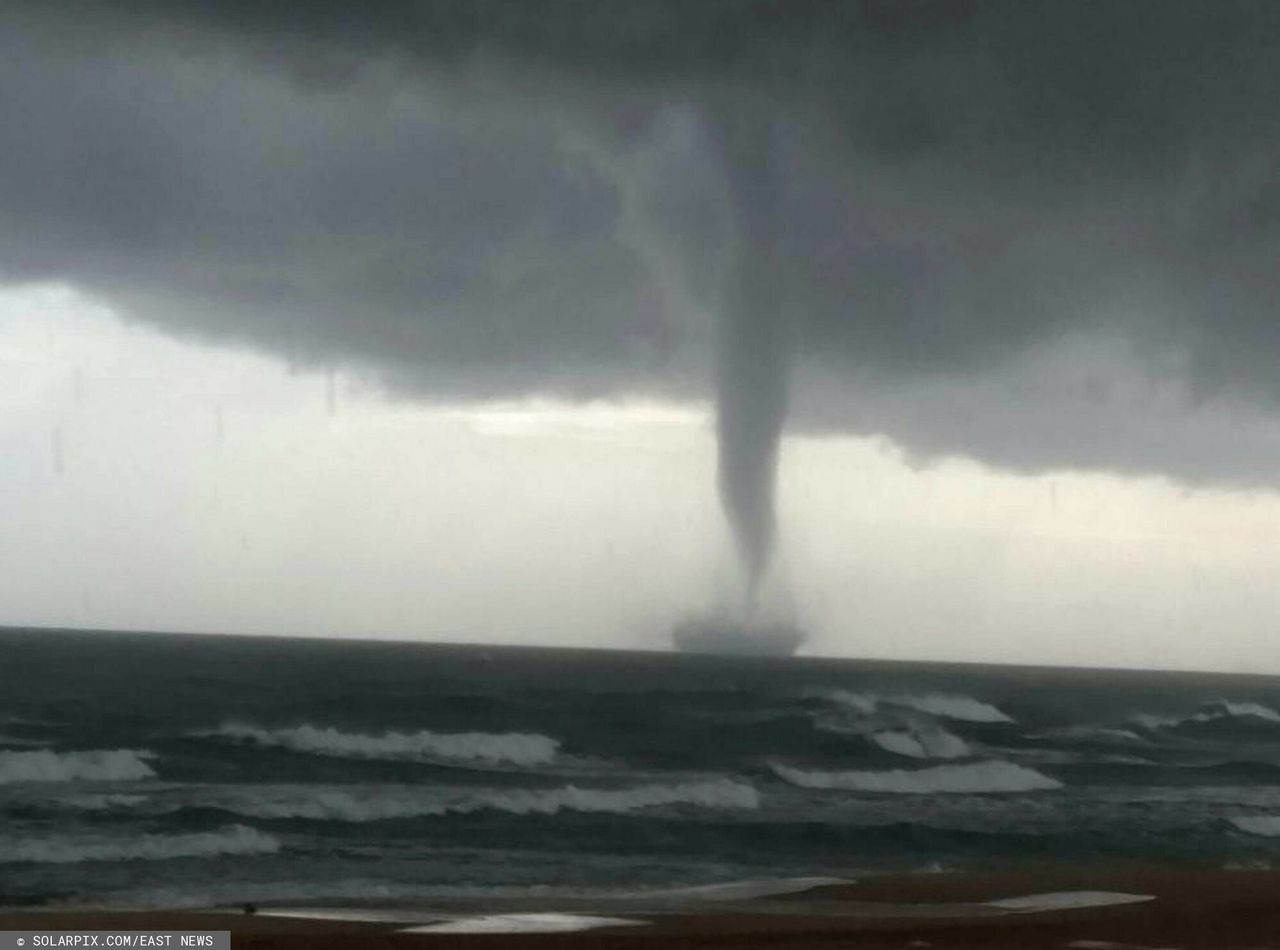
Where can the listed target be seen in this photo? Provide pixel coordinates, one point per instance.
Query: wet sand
(1189, 909)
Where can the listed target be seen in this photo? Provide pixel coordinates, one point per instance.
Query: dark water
(183, 770)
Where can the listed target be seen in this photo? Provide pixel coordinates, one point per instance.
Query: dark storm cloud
(349, 223)
(489, 198)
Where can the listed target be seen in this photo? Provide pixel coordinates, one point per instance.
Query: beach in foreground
(1080, 909)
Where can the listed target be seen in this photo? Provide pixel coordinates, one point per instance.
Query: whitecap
(103, 802)
(98, 765)
(1225, 709)
(1265, 826)
(1106, 734)
(521, 923)
(23, 742)
(1067, 900)
(522, 749)
(382, 803)
(858, 702)
(1218, 710)
(1154, 723)
(922, 743)
(949, 706)
(234, 839)
(943, 705)
(974, 778)
(739, 890)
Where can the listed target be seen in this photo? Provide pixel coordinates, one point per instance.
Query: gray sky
(1025, 252)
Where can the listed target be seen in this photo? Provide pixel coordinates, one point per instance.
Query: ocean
(161, 770)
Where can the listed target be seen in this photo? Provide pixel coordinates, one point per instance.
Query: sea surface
(160, 770)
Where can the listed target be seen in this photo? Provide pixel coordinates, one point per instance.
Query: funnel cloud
(754, 349)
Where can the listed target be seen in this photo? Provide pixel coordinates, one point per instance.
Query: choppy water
(156, 770)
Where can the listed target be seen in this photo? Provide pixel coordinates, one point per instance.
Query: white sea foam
(1066, 900)
(922, 743)
(1223, 709)
(841, 726)
(103, 802)
(23, 742)
(738, 890)
(372, 915)
(1154, 723)
(521, 923)
(1107, 734)
(376, 895)
(234, 839)
(1266, 826)
(381, 803)
(99, 765)
(974, 778)
(234, 893)
(522, 749)
(944, 705)
(1216, 711)
(1113, 759)
(1066, 757)
(1256, 864)
(1247, 796)
(964, 708)
(858, 702)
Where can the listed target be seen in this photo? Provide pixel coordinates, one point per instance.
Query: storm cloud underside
(1039, 234)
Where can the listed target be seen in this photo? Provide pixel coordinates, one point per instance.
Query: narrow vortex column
(755, 344)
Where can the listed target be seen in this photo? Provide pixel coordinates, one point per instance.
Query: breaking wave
(1224, 709)
(943, 705)
(360, 805)
(922, 743)
(975, 778)
(1217, 711)
(858, 702)
(99, 765)
(105, 802)
(963, 708)
(1063, 757)
(23, 742)
(1266, 826)
(234, 839)
(752, 889)
(1103, 734)
(1154, 723)
(1256, 796)
(522, 749)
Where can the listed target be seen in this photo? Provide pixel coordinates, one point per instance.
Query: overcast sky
(315, 321)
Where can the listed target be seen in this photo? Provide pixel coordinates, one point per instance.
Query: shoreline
(1062, 907)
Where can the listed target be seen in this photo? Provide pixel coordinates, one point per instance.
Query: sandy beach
(1078, 909)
